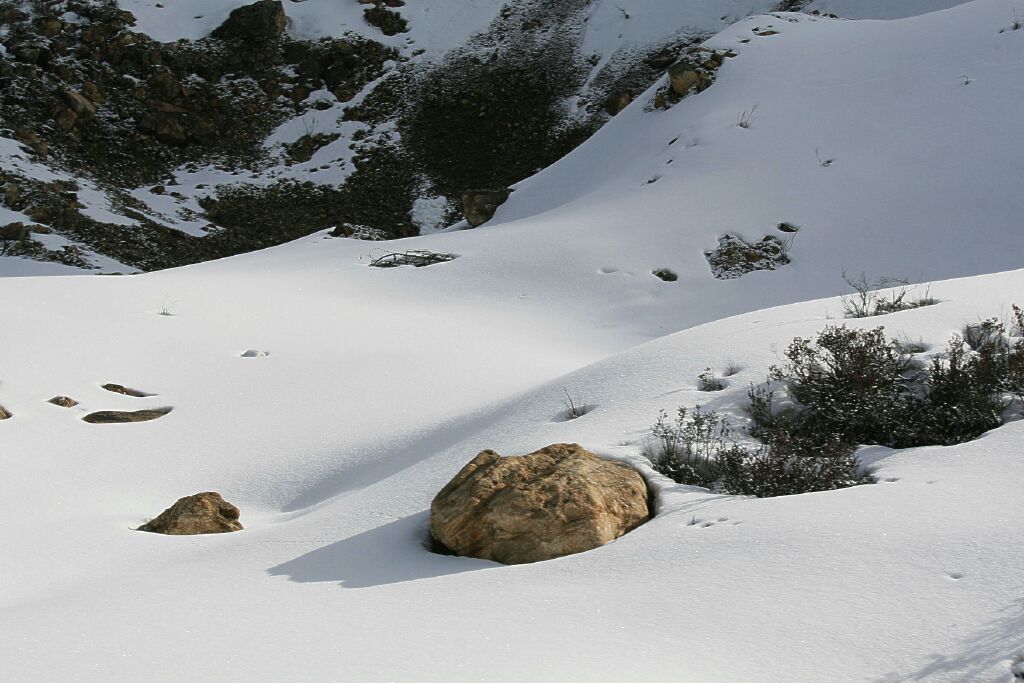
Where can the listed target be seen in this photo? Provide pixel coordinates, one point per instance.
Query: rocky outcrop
(736, 257)
(556, 501)
(261, 21)
(202, 513)
(479, 205)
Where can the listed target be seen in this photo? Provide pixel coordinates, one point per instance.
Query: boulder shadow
(393, 553)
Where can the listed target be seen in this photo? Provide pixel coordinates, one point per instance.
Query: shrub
(867, 300)
(851, 387)
(574, 405)
(851, 383)
(685, 449)
(780, 468)
(963, 397)
(696, 449)
(708, 381)
(858, 387)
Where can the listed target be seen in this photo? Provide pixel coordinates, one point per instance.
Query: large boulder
(479, 205)
(261, 21)
(202, 513)
(556, 501)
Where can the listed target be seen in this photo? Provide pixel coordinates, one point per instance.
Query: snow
(435, 25)
(377, 385)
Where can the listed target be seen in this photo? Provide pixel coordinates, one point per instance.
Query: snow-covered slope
(334, 443)
(379, 384)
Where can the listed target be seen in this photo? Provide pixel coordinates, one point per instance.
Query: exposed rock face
(556, 501)
(202, 513)
(261, 21)
(480, 205)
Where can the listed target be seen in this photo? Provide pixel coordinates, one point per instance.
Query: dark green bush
(851, 387)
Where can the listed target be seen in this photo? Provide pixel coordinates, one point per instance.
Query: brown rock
(618, 101)
(260, 21)
(93, 92)
(66, 119)
(683, 76)
(479, 205)
(124, 391)
(123, 416)
(4, 414)
(49, 26)
(78, 104)
(14, 231)
(557, 501)
(63, 401)
(166, 107)
(26, 135)
(202, 513)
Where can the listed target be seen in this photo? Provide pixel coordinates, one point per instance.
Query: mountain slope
(278, 120)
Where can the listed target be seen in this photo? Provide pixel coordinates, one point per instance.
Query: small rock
(202, 513)
(618, 101)
(122, 416)
(251, 353)
(125, 391)
(683, 76)
(665, 274)
(4, 414)
(479, 205)
(557, 501)
(63, 401)
(158, 189)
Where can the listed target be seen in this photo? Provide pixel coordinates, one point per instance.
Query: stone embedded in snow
(480, 205)
(252, 353)
(124, 416)
(120, 389)
(202, 513)
(556, 501)
(683, 75)
(4, 414)
(735, 257)
(63, 401)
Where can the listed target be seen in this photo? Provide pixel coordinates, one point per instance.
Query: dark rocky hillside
(118, 115)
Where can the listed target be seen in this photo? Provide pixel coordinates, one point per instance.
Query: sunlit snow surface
(377, 385)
